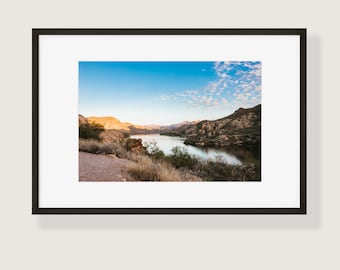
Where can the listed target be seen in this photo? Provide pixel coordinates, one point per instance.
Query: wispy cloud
(237, 84)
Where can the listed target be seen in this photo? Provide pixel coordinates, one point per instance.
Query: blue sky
(167, 92)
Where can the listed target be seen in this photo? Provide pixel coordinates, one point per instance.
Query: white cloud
(238, 83)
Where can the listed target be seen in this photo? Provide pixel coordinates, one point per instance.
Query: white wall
(169, 242)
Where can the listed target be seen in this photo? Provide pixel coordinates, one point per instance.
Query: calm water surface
(166, 143)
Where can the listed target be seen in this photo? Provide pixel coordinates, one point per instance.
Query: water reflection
(166, 143)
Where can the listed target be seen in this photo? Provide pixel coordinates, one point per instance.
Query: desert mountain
(173, 126)
(109, 122)
(90, 129)
(243, 127)
(184, 123)
(112, 123)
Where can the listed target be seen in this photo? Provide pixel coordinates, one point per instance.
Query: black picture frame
(36, 209)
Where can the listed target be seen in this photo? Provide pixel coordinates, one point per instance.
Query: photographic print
(170, 121)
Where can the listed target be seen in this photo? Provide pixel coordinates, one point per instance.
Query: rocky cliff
(109, 122)
(92, 130)
(82, 120)
(89, 129)
(242, 128)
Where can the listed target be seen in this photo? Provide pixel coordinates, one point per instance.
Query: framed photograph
(169, 121)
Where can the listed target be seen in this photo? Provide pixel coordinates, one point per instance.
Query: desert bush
(213, 171)
(154, 151)
(96, 147)
(146, 169)
(90, 131)
(219, 171)
(244, 172)
(180, 157)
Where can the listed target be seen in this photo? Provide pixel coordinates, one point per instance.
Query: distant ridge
(112, 123)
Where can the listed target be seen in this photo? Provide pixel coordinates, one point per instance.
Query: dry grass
(95, 147)
(146, 169)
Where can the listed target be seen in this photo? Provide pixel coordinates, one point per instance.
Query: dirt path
(102, 168)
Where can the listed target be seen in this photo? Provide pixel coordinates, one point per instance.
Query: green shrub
(180, 157)
(214, 171)
(154, 151)
(90, 131)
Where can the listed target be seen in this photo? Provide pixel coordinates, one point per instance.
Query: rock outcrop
(82, 120)
(134, 146)
(242, 128)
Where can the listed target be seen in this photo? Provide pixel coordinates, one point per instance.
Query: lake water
(166, 143)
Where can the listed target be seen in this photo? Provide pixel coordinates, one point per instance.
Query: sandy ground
(102, 168)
